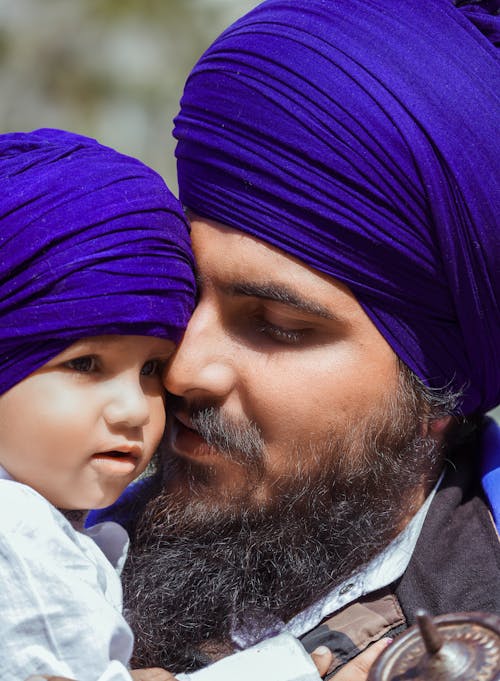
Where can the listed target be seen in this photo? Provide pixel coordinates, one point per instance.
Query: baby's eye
(152, 367)
(84, 365)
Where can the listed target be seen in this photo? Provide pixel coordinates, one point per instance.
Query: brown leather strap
(352, 629)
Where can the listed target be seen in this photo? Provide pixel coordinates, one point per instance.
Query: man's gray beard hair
(199, 573)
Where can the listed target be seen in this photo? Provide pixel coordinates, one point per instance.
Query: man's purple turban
(362, 137)
(91, 242)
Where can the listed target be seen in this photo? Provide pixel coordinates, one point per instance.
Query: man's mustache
(238, 441)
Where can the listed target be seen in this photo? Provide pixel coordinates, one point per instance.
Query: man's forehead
(238, 264)
(229, 254)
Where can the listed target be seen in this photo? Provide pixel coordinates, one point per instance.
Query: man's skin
(356, 670)
(265, 324)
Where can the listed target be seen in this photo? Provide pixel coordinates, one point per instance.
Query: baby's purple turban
(362, 137)
(91, 242)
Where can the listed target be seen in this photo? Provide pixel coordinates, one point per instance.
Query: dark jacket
(455, 567)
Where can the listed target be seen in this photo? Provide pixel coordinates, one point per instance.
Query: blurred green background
(110, 69)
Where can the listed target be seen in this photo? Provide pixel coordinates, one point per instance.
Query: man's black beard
(199, 573)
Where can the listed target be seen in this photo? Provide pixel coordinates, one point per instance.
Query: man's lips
(185, 420)
(186, 441)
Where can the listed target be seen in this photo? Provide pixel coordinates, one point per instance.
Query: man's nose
(127, 404)
(202, 365)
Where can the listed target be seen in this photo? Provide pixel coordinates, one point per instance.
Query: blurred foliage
(111, 69)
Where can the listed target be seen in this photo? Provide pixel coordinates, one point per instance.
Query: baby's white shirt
(60, 595)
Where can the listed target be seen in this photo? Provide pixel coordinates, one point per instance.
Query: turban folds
(361, 136)
(91, 242)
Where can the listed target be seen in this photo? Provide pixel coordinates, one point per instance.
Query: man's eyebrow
(280, 294)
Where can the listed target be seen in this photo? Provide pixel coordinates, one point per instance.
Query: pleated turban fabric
(91, 242)
(362, 137)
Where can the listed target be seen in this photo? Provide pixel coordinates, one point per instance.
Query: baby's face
(82, 427)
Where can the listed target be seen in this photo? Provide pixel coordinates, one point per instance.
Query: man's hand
(152, 674)
(37, 677)
(355, 670)
(322, 658)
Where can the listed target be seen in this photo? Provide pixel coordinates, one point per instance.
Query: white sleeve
(281, 658)
(54, 616)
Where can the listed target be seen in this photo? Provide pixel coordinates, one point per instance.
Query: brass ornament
(455, 647)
